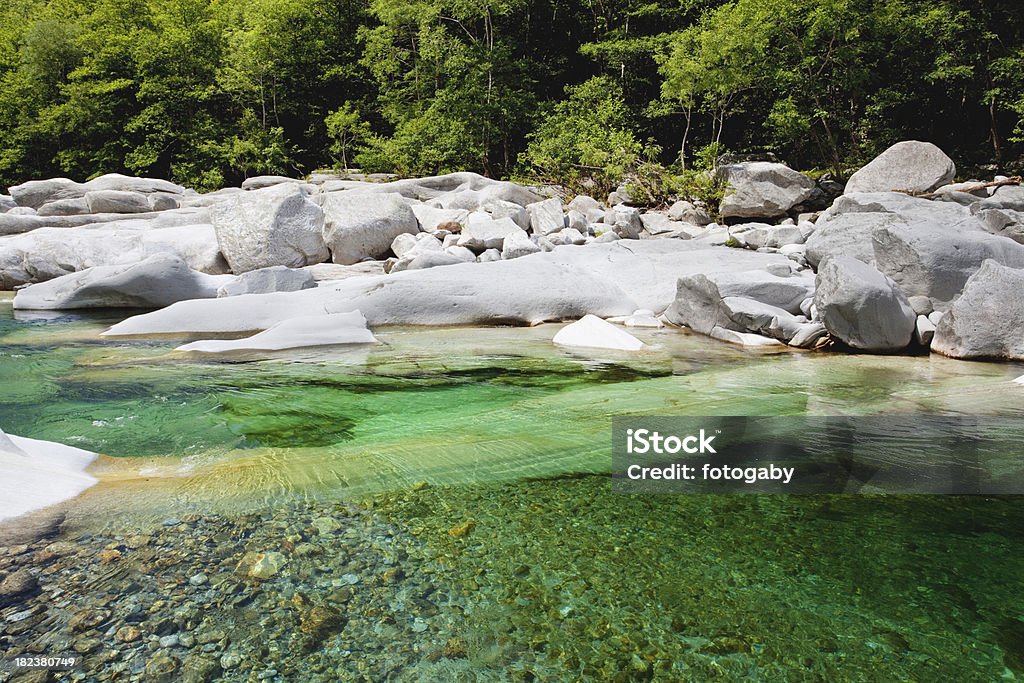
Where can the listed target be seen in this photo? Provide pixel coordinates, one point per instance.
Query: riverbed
(437, 507)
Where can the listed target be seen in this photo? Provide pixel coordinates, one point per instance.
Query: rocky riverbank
(878, 268)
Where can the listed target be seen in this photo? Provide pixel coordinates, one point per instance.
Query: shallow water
(559, 578)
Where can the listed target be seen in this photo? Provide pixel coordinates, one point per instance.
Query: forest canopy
(206, 92)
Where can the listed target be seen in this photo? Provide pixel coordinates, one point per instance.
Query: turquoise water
(562, 580)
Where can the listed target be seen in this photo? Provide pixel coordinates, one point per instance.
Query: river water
(486, 451)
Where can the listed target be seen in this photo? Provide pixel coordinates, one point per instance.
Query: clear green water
(567, 581)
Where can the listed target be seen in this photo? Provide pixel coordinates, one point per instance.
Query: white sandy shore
(35, 474)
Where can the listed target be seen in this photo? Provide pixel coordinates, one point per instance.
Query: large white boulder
(37, 193)
(564, 284)
(47, 253)
(987, 321)
(862, 307)
(277, 226)
(300, 332)
(911, 166)
(593, 332)
(762, 189)
(268, 280)
(362, 225)
(36, 474)
(157, 281)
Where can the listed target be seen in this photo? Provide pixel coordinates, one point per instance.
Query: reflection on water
(546, 574)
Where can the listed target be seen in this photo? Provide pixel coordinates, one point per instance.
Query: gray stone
(36, 193)
(922, 305)
(160, 280)
(584, 204)
(518, 244)
(263, 181)
(705, 301)
(924, 330)
(363, 225)
(762, 189)
(577, 221)
(498, 209)
(64, 207)
(277, 226)
(267, 280)
(625, 221)
(430, 218)
(489, 255)
(911, 166)
(987, 321)
(569, 236)
(807, 335)
(483, 232)
(117, 201)
(1004, 222)
(928, 260)
(687, 212)
(546, 217)
(862, 307)
(772, 236)
(430, 259)
(462, 253)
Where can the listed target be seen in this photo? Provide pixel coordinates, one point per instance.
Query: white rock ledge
(294, 333)
(35, 474)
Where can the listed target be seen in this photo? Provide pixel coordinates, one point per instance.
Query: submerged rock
(299, 332)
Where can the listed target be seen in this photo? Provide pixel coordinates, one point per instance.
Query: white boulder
(157, 281)
(762, 189)
(363, 225)
(36, 474)
(483, 232)
(910, 166)
(593, 332)
(546, 217)
(277, 226)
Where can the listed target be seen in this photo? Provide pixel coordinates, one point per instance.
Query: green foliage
(701, 182)
(585, 141)
(347, 131)
(587, 94)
